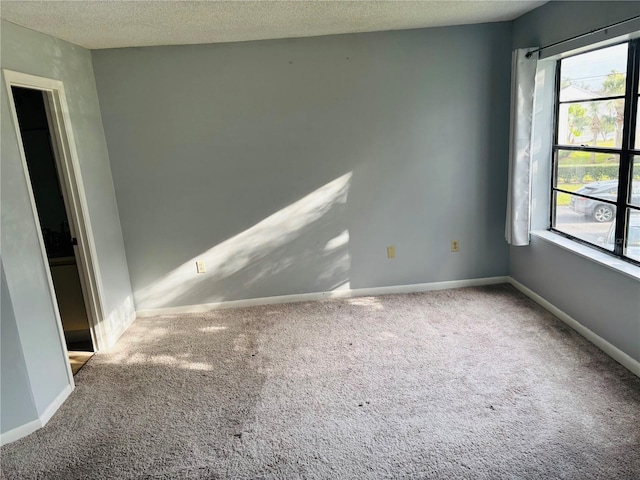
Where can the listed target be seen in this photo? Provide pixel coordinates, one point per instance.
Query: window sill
(592, 254)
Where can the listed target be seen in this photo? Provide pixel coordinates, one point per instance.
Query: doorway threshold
(78, 360)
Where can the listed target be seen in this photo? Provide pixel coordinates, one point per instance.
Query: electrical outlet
(455, 246)
(200, 268)
(391, 251)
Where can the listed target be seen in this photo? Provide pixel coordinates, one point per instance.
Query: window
(595, 190)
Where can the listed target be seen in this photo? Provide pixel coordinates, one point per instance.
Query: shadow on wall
(307, 239)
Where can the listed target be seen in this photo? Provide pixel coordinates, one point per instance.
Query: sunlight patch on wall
(345, 287)
(253, 245)
(337, 242)
(116, 322)
(333, 270)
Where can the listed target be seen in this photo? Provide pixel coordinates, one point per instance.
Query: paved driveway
(580, 226)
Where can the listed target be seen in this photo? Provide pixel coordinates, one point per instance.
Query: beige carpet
(470, 383)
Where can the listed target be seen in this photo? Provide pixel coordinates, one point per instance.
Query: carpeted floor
(470, 383)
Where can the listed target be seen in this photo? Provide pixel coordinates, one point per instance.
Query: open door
(41, 117)
(59, 240)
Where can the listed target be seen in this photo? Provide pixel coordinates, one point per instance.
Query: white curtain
(523, 73)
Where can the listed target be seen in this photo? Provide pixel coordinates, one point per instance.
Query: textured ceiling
(110, 24)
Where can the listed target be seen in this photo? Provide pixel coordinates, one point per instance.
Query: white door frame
(64, 149)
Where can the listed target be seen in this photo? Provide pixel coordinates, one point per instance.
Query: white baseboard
(115, 336)
(55, 405)
(307, 297)
(19, 432)
(611, 350)
(30, 427)
(605, 346)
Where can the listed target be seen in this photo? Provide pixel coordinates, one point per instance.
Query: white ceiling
(111, 24)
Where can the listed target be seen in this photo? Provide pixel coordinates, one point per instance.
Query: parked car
(633, 237)
(606, 190)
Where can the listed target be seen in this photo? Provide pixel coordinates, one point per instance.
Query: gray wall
(26, 51)
(15, 392)
(557, 21)
(606, 302)
(208, 143)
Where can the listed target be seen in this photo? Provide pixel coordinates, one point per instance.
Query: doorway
(50, 197)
